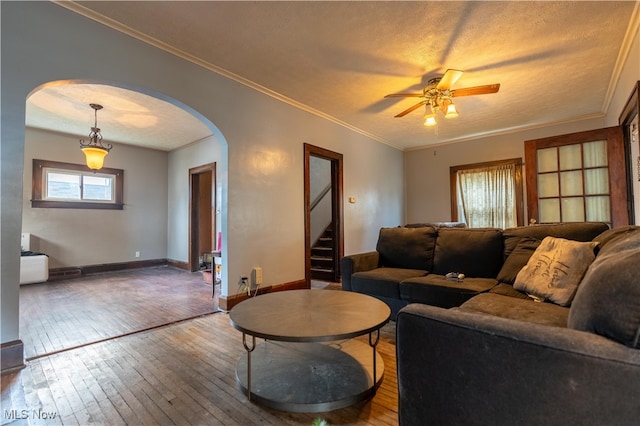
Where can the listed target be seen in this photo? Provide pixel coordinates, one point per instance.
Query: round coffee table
(308, 362)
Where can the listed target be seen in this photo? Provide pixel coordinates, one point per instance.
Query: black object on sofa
(502, 360)
(410, 264)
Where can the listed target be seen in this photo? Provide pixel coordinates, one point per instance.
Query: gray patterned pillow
(555, 269)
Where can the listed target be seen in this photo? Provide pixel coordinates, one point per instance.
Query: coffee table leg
(250, 349)
(374, 343)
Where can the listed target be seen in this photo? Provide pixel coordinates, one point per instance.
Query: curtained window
(488, 195)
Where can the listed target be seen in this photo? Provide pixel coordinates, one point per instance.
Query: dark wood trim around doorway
(337, 208)
(196, 231)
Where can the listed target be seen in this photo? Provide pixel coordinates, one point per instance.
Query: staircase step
(322, 274)
(320, 262)
(322, 255)
(322, 251)
(324, 242)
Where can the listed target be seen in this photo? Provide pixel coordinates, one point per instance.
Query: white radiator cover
(34, 269)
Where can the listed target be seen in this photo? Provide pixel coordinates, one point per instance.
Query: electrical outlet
(137, 254)
(244, 286)
(256, 276)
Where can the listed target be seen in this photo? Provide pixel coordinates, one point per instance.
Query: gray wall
(209, 150)
(261, 145)
(78, 237)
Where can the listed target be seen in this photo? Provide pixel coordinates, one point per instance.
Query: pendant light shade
(430, 120)
(430, 117)
(452, 112)
(94, 157)
(93, 150)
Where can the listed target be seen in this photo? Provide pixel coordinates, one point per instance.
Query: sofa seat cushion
(437, 290)
(508, 290)
(410, 248)
(474, 252)
(518, 309)
(383, 281)
(608, 299)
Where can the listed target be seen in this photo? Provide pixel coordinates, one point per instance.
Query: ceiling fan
(438, 95)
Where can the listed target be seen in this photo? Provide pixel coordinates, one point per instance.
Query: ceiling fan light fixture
(452, 112)
(438, 93)
(94, 150)
(430, 119)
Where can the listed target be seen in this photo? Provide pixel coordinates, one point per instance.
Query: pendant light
(94, 150)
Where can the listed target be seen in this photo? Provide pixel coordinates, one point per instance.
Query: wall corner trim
(12, 356)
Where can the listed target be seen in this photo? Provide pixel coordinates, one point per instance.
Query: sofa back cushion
(517, 259)
(615, 235)
(608, 299)
(582, 231)
(410, 248)
(475, 252)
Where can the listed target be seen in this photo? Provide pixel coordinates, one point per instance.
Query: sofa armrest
(360, 262)
(465, 368)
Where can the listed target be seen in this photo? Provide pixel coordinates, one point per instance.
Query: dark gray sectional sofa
(479, 352)
(410, 263)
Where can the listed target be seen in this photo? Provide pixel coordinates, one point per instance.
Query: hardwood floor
(182, 373)
(64, 314)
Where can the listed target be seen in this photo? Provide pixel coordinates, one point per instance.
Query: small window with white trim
(64, 185)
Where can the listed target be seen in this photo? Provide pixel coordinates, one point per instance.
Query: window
(65, 185)
(578, 177)
(573, 183)
(488, 194)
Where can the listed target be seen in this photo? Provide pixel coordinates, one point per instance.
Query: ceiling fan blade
(449, 79)
(405, 95)
(477, 90)
(413, 108)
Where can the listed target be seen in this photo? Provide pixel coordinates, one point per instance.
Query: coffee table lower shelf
(311, 377)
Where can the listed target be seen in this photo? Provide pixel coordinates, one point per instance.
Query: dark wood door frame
(616, 161)
(194, 189)
(336, 208)
(629, 112)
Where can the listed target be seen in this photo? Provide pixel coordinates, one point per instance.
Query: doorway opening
(324, 241)
(202, 217)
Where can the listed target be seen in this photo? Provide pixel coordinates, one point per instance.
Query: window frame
(37, 187)
(516, 162)
(616, 164)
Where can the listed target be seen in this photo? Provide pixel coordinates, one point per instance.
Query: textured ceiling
(555, 61)
(127, 117)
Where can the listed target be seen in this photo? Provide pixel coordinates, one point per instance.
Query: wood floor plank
(182, 373)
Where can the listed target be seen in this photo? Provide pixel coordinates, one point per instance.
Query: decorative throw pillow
(517, 259)
(555, 269)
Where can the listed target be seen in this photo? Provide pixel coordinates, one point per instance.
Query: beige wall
(206, 151)
(260, 141)
(78, 237)
(427, 170)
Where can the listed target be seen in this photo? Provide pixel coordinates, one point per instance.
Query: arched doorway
(153, 148)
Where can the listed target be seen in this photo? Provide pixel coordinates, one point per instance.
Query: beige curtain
(487, 196)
